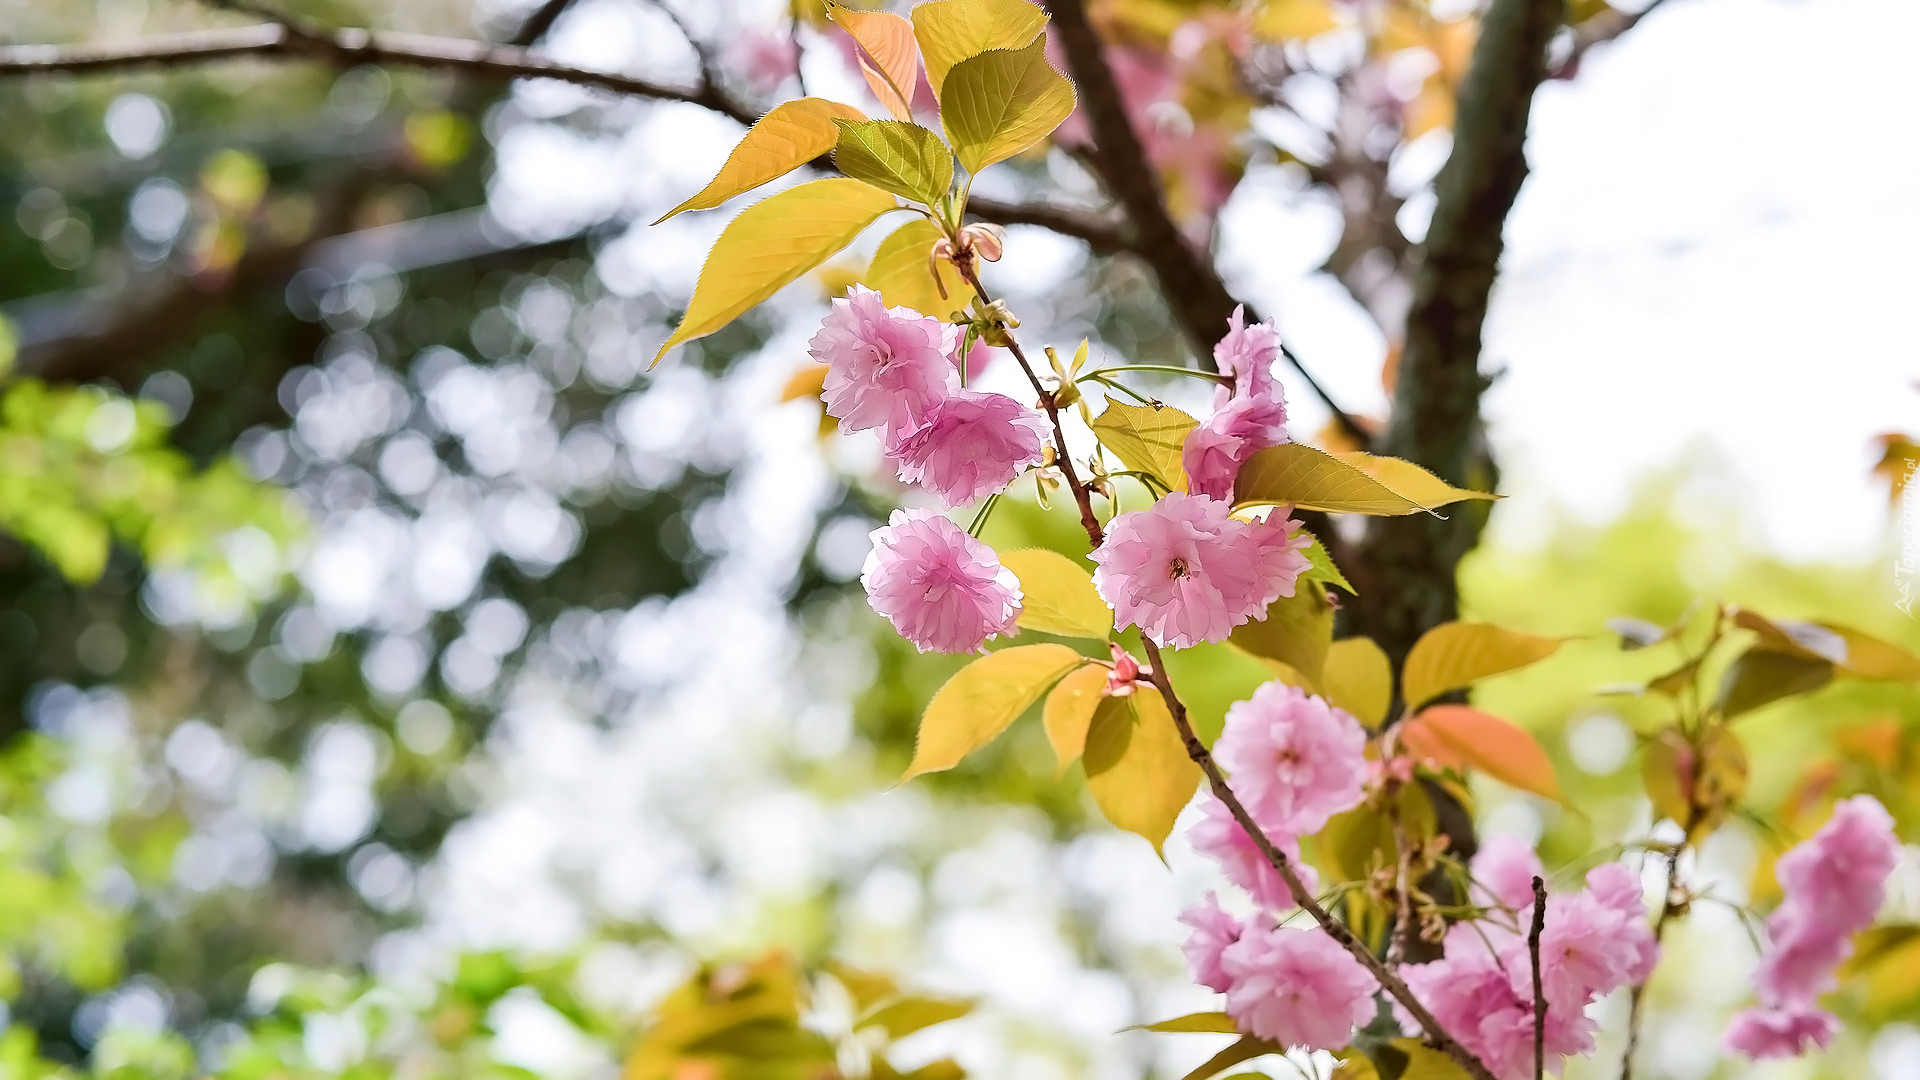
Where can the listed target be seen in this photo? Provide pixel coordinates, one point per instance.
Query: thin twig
(1669, 908)
(1539, 993)
(1400, 940)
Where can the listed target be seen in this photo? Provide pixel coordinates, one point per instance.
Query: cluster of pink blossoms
(1185, 570)
(1593, 942)
(1295, 761)
(895, 371)
(1834, 884)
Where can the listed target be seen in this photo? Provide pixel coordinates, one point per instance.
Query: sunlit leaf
(771, 244)
(1358, 678)
(1666, 770)
(950, 31)
(1293, 20)
(1296, 631)
(903, 274)
(1455, 655)
(1456, 736)
(1675, 682)
(1321, 568)
(1211, 1022)
(1353, 843)
(1245, 1049)
(1886, 960)
(1001, 102)
(1868, 657)
(903, 1017)
(1147, 439)
(1057, 595)
(895, 156)
(981, 699)
(1069, 710)
(1762, 676)
(786, 138)
(807, 384)
(1310, 479)
(889, 55)
(1137, 767)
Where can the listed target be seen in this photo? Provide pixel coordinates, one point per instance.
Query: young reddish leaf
(889, 55)
(981, 699)
(1137, 768)
(1001, 102)
(1358, 678)
(1762, 676)
(1346, 483)
(1455, 736)
(783, 140)
(1147, 439)
(1069, 712)
(1216, 1023)
(903, 274)
(950, 31)
(771, 244)
(1057, 595)
(1296, 631)
(1456, 655)
(895, 156)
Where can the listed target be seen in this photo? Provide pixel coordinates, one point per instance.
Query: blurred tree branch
(1598, 30)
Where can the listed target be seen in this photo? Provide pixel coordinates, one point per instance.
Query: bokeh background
(548, 679)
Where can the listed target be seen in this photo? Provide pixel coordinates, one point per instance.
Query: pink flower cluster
(1251, 415)
(1834, 884)
(895, 371)
(1481, 989)
(1295, 762)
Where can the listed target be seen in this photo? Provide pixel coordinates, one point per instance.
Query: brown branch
(1409, 564)
(1539, 993)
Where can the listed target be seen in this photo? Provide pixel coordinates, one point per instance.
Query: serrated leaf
(1057, 595)
(1069, 710)
(889, 55)
(950, 31)
(1868, 657)
(1001, 102)
(771, 244)
(1762, 676)
(1456, 655)
(1245, 1049)
(786, 138)
(1147, 439)
(1359, 679)
(895, 156)
(1215, 1023)
(1456, 736)
(904, 1016)
(981, 699)
(1296, 631)
(1137, 768)
(1342, 483)
(903, 273)
(1321, 568)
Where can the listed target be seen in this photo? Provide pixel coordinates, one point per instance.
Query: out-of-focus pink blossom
(1295, 761)
(1297, 987)
(970, 445)
(1184, 571)
(1220, 838)
(1762, 1033)
(939, 587)
(766, 60)
(1213, 930)
(886, 367)
(1504, 868)
(1248, 354)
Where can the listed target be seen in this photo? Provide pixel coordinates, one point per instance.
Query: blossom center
(1177, 569)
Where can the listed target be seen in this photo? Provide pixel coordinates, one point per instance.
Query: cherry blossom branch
(1539, 993)
(964, 260)
(1400, 938)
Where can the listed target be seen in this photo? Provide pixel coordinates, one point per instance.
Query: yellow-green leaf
(1358, 678)
(1886, 960)
(771, 244)
(1295, 631)
(1147, 439)
(981, 699)
(903, 273)
(1137, 768)
(1456, 736)
(1666, 771)
(1001, 102)
(1458, 654)
(1762, 676)
(1069, 712)
(950, 31)
(1246, 1049)
(1869, 657)
(1321, 568)
(1342, 483)
(904, 1016)
(1293, 20)
(1057, 595)
(785, 139)
(1354, 843)
(889, 55)
(896, 156)
(1217, 1023)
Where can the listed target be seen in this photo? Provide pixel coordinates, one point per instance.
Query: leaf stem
(1161, 369)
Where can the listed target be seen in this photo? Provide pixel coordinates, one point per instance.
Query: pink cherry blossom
(970, 445)
(886, 367)
(1842, 870)
(1504, 868)
(1213, 931)
(1247, 353)
(1219, 837)
(1295, 760)
(940, 588)
(1780, 1033)
(1184, 572)
(1297, 987)
(765, 59)
(1214, 451)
